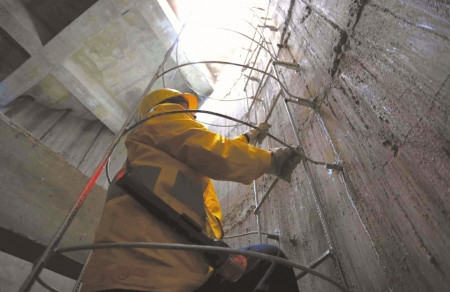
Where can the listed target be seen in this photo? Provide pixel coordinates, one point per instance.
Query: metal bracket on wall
(266, 195)
(303, 102)
(297, 100)
(293, 66)
(275, 236)
(313, 187)
(315, 263)
(271, 27)
(253, 78)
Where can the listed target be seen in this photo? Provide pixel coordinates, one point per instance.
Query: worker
(179, 157)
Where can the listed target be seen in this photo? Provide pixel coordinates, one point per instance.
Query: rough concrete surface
(81, 142)
(11, 279)
(380, 72)
(39, 188)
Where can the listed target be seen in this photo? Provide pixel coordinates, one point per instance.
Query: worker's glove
(284, 161)
(233, 268)
(257, 135)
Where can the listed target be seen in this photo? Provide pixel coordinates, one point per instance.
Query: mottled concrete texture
(38, 189)
(379, 71)
(12, 279)
(81, 142)
(94, 57)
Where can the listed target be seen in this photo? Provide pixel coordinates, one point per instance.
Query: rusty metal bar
(258, 205)
(343, 179)
(302, 101)
(268, 235)
(315, 263)
(258, 223)
(273, 106)
(266, 195)
(310, 181)
(293, 66)
(314, 193)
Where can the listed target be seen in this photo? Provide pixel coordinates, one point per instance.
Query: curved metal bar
(237, 99)
(229, 118)
(208, 248)
(269, 135)
(46, 286)
(305, 101)
(219, 126)
(246, 36)
(328, 165)
(231, 30)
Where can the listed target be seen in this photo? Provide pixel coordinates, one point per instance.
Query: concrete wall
(38, 190)
(47, 18)
(94, 57)
(12, 55)
(379, 72)
(14, 272)
(81, 142)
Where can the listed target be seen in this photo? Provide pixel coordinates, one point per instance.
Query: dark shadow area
(25, 248)
(12, 55)
(50, 17)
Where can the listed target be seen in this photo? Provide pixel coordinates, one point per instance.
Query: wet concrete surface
(380, 72)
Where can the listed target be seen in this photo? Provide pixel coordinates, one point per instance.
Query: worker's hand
(233, 268)
(284, 161)
(257, 135)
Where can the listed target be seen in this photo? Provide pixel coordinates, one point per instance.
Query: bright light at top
(208, 33)
(212, 12)
(218, 30)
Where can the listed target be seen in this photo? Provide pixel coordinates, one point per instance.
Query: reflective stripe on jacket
(182, 156)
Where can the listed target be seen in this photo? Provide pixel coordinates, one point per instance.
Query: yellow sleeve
(207, 152)
(213, 212)
(241, 138)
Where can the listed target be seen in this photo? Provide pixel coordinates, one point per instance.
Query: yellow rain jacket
(184, 156)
